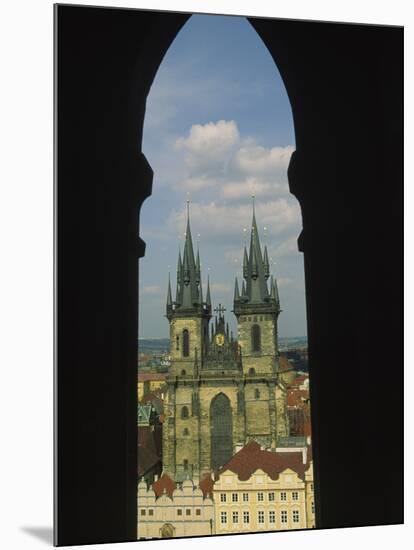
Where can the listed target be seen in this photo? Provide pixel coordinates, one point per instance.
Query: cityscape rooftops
(252, 457)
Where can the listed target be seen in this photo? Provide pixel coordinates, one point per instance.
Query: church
(222, 391)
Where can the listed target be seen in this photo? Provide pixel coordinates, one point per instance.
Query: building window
(256, 343)
(235, 497)
(271, 497)
(235, 517)
(223, 497)
(295, 516)
(245, 497)
(223, 517)
(184, 412)
(150, 512)
(198, 511)
(177, 342)
(260, 516)
(260, 497)
(179, 512)
(313, 507)
(272, 516)
(246, 517)
(186, 343)
(185, 463)
(311, 486)
(185, 431)
(143, 512)
(283, 516)
(183, 372)
(188, 512)
(256, 394)
(295, 495)
(283, 496)
(252, 371)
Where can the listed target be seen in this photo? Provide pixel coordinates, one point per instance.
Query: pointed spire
(236, 290)
(243, 289)
(198, 268)
(208, 299)
(169, 296)
(276, 292)
(245, 264)
(266, 263)
(179, 268)
(201, 293)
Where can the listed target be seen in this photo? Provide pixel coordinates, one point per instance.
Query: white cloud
(258, 161)
(209, 147)
(215, 157)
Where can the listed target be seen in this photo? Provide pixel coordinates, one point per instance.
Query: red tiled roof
(164, 482)
(284, 364)
(145, 376)
(206, 484)
(296, 398)
(147, 459)
(251, 458)
(151, 396)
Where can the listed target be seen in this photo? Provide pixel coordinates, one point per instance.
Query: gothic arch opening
(221, 429)
(220, 151)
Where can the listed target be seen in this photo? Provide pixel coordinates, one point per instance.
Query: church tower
(189, 317)
(257, 309)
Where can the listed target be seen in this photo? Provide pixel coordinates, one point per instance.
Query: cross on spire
(220, 310)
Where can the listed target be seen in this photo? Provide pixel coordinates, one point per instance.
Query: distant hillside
(294, 342)
(146, 345)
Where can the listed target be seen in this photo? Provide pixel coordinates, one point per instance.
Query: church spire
(236, 290)
(266, 263)
(256, 270)
(189, 295)
(169, 298)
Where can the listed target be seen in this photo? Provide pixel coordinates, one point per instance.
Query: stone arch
(221, 430)
(167, 531)
(333, 104)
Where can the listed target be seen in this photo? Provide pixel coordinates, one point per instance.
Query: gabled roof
(164, 483)
(206, 485)
(251, 458)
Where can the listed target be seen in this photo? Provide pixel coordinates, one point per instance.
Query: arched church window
(186, 343)
(185, 463)
(183, 372)
(256, 338)
(185, 431)
(252, 371)
(256, 394)
(184, 412)
(177, 342)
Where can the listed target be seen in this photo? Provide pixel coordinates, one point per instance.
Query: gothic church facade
(222, 391)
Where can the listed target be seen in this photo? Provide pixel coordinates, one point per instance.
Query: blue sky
(218, 128)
